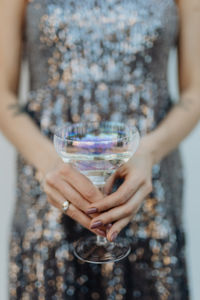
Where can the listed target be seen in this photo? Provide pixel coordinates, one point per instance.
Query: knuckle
(128, 210)
(50, 179)
(72, 212)
(121, 199)
(104, 206)
(107, 218)
(75, 200)
(149, 186)
(81, 205)
(90, 193)
(142, 178)
(65, 169)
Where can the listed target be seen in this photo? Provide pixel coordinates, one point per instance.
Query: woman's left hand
(120, 207)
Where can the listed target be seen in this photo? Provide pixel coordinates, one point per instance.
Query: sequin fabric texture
(99, 60)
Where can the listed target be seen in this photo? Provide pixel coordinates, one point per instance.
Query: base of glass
(98, 250)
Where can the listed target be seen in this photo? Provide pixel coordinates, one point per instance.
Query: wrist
(149, 145)
(47, 161)
(51, 161)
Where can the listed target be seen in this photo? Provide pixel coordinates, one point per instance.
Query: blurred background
(191, 158)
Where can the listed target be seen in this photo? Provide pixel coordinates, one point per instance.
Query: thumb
(112, 184)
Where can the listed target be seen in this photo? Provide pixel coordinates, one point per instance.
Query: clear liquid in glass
(98, 168)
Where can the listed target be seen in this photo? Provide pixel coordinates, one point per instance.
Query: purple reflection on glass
(96, 144)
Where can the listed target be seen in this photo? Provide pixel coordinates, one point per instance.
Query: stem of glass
(100, 239)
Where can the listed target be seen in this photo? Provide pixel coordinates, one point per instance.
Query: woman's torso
(99, 59)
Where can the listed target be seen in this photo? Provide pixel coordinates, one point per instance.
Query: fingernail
(92, 210)
(96, 224)
(113, 236)
(101, 232)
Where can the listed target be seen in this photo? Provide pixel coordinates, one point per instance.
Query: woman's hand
(63, 183)
(120, 207)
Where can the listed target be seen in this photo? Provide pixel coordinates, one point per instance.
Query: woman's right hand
(65, 182)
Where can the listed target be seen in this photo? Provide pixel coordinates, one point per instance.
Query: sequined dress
(92, 60)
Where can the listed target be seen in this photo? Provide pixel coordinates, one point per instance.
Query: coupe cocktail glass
(97, 150)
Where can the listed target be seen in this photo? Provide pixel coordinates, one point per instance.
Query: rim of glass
(59, 130)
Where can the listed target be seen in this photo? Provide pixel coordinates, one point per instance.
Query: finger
(111, 216)
(116, 228)
(121, 196)
(81, 183)
(57, 200)
(71, 194)
(122, 211)
(109, 184)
